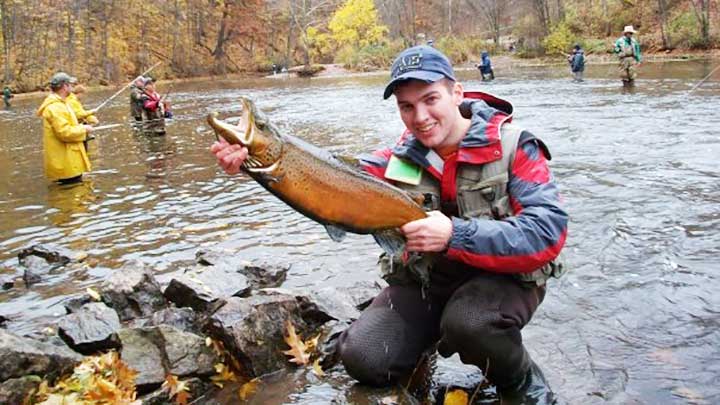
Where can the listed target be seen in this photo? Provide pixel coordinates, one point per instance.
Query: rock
(133, 292)
(7, 282)
(75, 303)
(260, 274)
(53, 255)
(252, 329)
(21, 356)
(91, 329)
(184, 319)
(265, 275)
(17, 390)
(204, 288)
(158, 351)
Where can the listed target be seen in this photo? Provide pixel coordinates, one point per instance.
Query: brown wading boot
(532, 389)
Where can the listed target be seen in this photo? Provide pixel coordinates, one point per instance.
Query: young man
(495, 226)
(65, 155)
(627, 49)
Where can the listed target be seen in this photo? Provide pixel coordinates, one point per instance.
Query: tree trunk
(606, 17)
(7, 36)
(662, 13)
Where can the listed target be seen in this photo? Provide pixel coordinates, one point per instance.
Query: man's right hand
(88, 128)
(229, 157)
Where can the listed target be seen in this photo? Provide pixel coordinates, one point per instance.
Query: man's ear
(457, 93)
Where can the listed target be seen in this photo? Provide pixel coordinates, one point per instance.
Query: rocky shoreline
(216, 316)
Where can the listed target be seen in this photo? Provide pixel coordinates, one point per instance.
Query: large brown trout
(317, 184)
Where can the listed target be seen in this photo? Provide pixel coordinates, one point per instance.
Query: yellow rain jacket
(65, 155)
(79, 110)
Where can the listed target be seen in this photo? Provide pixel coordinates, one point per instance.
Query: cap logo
(409, 62)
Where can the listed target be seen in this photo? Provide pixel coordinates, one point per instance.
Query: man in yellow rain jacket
(65, 156)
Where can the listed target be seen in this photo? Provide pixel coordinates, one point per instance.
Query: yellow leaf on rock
(223, 375)
(248, 389)
(317, 369)
(456, 397)
(298, 350)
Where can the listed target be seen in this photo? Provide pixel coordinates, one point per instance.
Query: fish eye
(260, 125)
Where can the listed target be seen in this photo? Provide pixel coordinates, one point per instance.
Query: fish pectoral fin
(336, 234)
(391, 241)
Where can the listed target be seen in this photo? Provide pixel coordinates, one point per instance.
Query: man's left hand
(431, 234)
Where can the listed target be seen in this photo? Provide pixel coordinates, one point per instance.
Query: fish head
(254, 132)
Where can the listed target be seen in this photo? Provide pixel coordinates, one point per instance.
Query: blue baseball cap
(419, 63)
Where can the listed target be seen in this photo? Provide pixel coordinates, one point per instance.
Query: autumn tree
(356, 25)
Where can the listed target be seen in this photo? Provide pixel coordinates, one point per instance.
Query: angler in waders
(627, 49)
(495, 225)
(155, 110)
(64, 153)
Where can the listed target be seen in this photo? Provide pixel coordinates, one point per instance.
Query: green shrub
(560, 39)
(684, 31)
(370, 57)
(457, 49)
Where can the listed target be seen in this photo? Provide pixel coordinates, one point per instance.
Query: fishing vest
(481, 193)
(627, 49)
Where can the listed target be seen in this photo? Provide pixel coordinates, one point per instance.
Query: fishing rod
(108, 126)
(702, 81)
(125, 87)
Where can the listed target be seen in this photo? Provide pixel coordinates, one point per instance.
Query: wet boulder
(133, 292)
(7, 282)
(155, 352)
(54, 256)
(341, 304)
(74, 304)
(259, 274)
(20, 356)
(17, 390)
(183, 319)
(204, 288)
(252, 329)
(90, 329)
(39, 260)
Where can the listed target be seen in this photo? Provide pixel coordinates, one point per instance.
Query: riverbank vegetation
(104, 42)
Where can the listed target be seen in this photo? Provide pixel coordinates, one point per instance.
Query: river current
(636, 319)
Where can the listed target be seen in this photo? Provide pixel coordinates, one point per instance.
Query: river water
(636, 320)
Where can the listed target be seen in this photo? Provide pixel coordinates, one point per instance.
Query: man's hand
(431, 234)
(229, 157)
(88, 128)
(93, 111)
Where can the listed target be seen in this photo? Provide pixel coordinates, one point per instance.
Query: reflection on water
(68, 201)
(635, 320)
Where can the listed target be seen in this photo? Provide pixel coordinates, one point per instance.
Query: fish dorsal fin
(391, 241)
(336, 234)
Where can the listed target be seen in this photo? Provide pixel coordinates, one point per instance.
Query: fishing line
(702, 81)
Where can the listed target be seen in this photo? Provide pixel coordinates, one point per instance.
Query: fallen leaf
(317, 369)
(248, 389)
(456, 397)
(224, 374)
(298, 350)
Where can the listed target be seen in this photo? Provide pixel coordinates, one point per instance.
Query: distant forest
(109, 41)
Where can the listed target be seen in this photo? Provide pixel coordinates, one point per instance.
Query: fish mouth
(242, 133)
